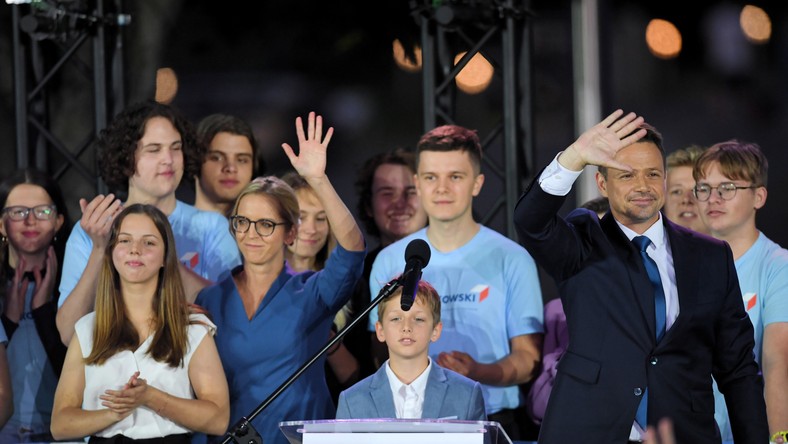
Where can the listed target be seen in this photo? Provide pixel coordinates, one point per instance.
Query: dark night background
(269, 62)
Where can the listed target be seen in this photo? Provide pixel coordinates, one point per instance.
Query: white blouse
(116, 371)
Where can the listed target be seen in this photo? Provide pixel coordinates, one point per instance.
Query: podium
(393, 431)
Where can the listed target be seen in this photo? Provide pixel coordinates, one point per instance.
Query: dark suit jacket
(613, 355)
(448, 395)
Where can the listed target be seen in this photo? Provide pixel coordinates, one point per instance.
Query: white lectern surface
(385, 431)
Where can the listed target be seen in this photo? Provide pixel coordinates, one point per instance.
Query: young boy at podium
(409, 384)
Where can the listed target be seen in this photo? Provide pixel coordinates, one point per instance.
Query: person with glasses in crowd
(730, 188)
(272, 319)
(310, 251)
(34, 230)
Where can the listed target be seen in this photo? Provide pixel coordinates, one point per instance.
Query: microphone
(417, 256)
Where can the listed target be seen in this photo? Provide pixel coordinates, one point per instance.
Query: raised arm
(97, 217)
(310, 163)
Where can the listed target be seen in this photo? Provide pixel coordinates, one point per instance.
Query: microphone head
(418, 249)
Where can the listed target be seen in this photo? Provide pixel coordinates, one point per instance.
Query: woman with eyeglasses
(272, 319)
(310, 251)
(33, 233)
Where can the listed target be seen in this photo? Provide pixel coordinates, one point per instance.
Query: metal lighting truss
(501, 32)
(47, 36)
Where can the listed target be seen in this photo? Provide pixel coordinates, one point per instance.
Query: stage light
(166, 85)
(403, 62)
(756, 24)
(663, 39)
(476, 76)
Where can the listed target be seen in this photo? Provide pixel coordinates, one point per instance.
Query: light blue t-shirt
(489, 291)
(763, 278)
(202, 240)
(32, 377)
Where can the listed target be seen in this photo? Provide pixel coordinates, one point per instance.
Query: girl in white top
(141, 365)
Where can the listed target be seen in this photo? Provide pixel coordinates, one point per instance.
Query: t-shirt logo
(750, 299)
(477, 294)
(483, 290)
(191, 259)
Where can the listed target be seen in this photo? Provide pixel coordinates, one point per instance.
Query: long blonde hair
(114, 331)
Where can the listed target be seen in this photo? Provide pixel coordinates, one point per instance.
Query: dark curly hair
(118, 142)
(366, 175)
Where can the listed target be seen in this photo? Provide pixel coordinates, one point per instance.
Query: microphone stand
(243, 432)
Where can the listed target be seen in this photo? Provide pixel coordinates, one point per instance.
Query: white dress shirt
(408, 398)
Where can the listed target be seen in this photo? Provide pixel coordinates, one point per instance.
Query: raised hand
(312, 145)
(600, 144)
(45, 286)
(97, 217)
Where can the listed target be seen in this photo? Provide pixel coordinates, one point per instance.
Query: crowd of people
(154, 319)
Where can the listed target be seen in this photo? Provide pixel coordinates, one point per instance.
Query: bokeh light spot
(663, 39)
(756, 24)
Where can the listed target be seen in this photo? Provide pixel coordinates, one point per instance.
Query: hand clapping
(124, 401)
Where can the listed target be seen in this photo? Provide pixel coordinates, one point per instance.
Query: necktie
(642, 242)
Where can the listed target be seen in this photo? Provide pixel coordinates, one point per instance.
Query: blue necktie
(642, 242)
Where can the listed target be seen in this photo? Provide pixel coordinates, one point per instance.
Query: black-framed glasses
(41, 212)
(727, 190)
(264, 227)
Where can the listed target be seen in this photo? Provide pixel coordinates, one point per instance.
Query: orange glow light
(756, 24)
(166, 85)
(476, 76)
(403, 62)
(663, 39)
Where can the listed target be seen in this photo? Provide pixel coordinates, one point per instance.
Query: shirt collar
(656, 232)
(419, 384)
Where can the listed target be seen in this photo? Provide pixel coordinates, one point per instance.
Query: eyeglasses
(727, 191)
(264, 227)
(41, 212)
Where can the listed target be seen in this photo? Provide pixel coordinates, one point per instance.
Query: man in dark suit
(647, 325)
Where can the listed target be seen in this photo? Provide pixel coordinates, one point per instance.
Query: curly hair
(118, 142)
(366, 177)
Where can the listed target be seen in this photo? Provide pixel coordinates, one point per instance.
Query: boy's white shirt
(409, 398)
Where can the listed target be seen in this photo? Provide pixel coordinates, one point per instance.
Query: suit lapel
(380, 391)
(686, 268)
(434, 393)
(638, 278)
